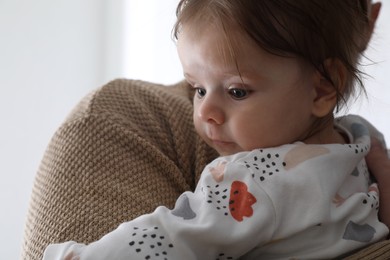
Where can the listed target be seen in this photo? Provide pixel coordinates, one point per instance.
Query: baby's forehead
(224, 34)
(228, 39)
(215, 40)
(232, 53)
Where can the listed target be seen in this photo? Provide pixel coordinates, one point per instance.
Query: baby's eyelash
(238, 93)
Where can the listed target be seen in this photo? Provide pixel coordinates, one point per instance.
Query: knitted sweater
(127, 148)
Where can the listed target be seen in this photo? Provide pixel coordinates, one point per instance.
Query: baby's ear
(326, 91)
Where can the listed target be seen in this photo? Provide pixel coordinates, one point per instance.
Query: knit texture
(127, 148)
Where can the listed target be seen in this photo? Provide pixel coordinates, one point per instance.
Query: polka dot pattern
(265, 164)
(149, 243)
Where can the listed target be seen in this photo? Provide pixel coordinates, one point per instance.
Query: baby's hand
(71, 256)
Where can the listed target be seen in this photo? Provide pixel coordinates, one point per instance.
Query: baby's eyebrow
(188, 76)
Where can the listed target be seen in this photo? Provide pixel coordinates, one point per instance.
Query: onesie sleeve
(224, 218)
(360, 126)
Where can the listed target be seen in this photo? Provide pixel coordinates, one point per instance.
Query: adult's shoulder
(120, 97)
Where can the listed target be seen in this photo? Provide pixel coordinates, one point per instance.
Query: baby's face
(254, 100)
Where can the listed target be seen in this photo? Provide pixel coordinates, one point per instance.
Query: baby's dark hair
(313, 30)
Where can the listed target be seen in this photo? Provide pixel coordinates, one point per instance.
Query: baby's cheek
(250, 136)
(198, 127)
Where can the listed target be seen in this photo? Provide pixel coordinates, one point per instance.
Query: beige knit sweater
(127, 148)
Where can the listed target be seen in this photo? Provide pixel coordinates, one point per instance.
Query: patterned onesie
(296, 201)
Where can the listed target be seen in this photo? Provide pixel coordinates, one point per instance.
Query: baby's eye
(238, 93)
(200, 92)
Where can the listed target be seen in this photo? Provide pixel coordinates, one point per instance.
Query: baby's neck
(328, 135)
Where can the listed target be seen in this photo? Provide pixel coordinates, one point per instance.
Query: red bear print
(241, 201)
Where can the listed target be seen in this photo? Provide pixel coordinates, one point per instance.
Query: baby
(291, 181)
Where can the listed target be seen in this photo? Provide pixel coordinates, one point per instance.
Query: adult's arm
(127, 148)
(379, 164)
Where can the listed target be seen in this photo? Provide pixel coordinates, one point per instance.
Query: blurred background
(52, 53)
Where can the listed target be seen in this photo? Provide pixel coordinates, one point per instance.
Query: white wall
(53, 52)
(149, 51)
(376, 107)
